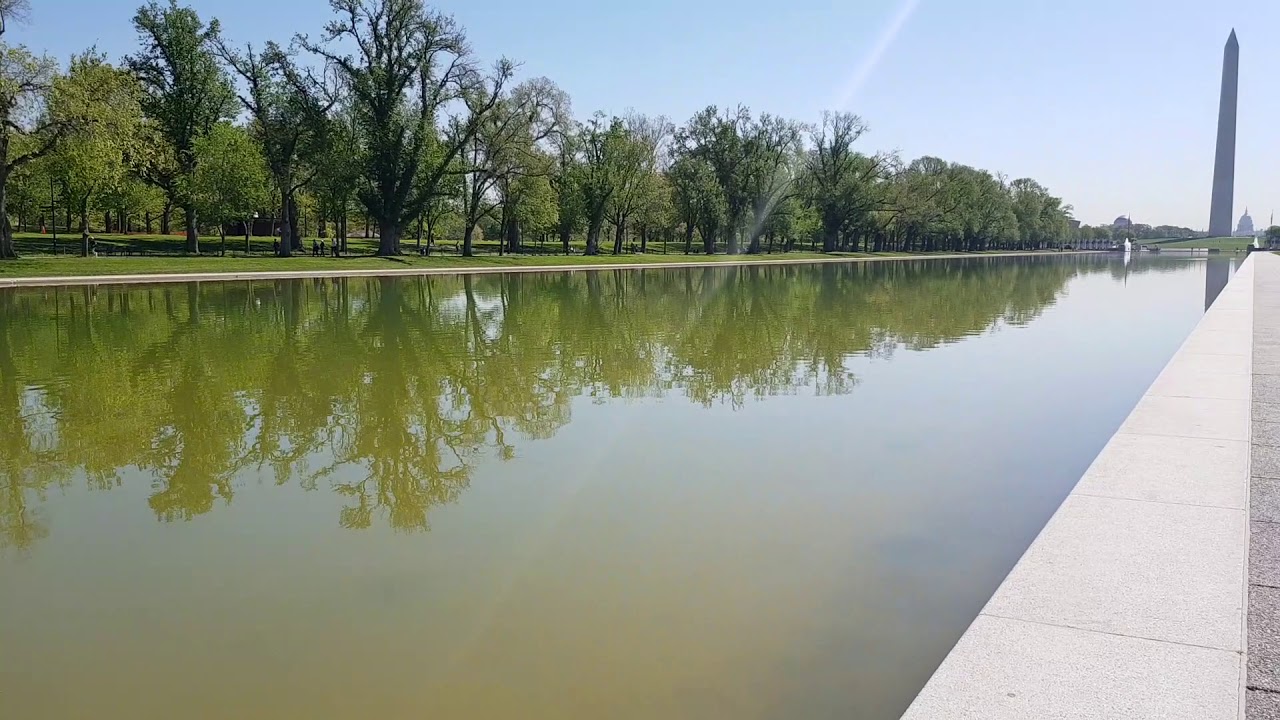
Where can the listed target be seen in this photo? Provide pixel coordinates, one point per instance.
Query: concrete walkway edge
(1131, 602)
(483, 270)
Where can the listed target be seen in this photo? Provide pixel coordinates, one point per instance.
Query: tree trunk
(829, 235)
(644, 239)
(147, 219)
(193, 233)
(468, 237)
(342, 232)
(593, 237)
(733, 240)
(222, 232)
(84, 227)
(619, 234)
(321, 230)
(431, 231)
(388, 239)
(688, 238)
(7, 251)
(566, 236)
(295, 235)
(366, 226)
(513, 238)
(286, 233)
(419, 233)
(166, 218)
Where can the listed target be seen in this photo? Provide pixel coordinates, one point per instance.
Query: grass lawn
(1225, 244)
(162, 254)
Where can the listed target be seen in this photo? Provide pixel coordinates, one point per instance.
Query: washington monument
(1224, 165)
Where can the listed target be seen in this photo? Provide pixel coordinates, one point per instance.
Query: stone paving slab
(1170, 469)
(1266, 461)
(1266, 433)
(1266, 412)
(1143, 569)
(1264, 638)
(1188, 380)
(1264, 500)
(1262, 705)
(1219, 342)
(1211, 419)
(1006, 669)
(1264, 554)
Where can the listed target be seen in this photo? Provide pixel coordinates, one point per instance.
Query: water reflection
(386, 391)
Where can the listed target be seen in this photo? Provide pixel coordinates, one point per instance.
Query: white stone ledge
(1131, 602)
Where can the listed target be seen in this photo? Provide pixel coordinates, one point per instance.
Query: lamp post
(248, 231)
(53, 216)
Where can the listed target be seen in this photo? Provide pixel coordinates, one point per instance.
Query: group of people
(318, 248)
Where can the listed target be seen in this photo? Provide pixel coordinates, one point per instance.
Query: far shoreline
(496, 267)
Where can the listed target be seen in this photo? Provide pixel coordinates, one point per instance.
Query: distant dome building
(1122, 222)
(1245, 228)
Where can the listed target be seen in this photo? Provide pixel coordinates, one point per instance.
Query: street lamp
(248, 231)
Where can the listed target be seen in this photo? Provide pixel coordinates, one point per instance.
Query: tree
(632, 164)
(505, 146)
(594, 177)
(410, 68)
(718, 140)
(231, 180)
(185, 92)
(838, 182)
(698, 200)
(288, 113)
(772, 149)
(564, 184)
(1273, 235)
(94, 161)
(28, 131)
(13, 12)
(336, 176)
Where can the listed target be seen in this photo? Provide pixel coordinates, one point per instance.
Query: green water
(757, 492)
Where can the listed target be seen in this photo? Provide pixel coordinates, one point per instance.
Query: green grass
(163, 254)
(1225, 244)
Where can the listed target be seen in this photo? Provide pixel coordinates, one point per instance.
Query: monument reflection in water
(744, 492)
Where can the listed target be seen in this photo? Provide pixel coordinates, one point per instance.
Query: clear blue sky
(1112, 104)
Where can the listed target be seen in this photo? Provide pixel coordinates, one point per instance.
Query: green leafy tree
(94, 160)
(506, 146)
(231, 180)
(840, 182)
(698, 200)
(410, 67)
(595, 176)
(185, 93)
(632, 166)
(28, 131)
(289, 110)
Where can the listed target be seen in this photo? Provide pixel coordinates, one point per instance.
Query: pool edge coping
(147, 278)
(1077, 641)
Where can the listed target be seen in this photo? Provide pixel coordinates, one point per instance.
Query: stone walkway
(1263, 696)
(1131, 603)
(495, 268)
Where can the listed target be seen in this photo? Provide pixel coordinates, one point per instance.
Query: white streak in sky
(906, 8)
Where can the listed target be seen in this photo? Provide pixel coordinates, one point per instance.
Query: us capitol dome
(1245, 227)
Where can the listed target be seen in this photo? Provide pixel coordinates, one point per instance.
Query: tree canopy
(386, 114)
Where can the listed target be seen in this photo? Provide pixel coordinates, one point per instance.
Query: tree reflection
(389, 391)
